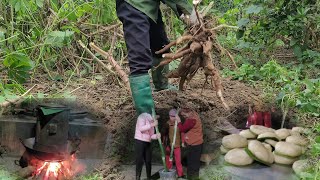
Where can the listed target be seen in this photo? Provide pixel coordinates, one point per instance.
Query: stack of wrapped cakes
(265, 145)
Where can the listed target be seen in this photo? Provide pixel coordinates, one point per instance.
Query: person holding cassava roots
(144, 34)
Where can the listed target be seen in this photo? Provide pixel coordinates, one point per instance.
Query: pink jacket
(144, 131)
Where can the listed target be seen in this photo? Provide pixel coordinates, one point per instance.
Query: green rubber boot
(158, 75)
(141, 93)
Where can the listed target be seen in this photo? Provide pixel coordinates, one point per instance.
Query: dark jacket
(151, 7)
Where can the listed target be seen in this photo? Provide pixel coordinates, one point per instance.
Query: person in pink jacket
(143, 136)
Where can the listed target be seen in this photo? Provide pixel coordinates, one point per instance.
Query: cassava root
(197, 54)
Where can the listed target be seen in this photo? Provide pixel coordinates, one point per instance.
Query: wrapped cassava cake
(247, 134)
(285, 160)
(288, 149)
(234, 141)
(257, 151)
(257, 129)
(268, 135)
(283, 133)
(238, 157)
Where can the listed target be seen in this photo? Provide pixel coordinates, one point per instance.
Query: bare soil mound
(121, 122)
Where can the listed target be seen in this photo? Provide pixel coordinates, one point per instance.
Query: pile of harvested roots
(196, 54)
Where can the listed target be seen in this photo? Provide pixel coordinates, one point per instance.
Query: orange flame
(54, 169)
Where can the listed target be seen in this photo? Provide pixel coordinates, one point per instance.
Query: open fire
(53, 170)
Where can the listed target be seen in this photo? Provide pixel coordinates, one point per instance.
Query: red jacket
(192, 128)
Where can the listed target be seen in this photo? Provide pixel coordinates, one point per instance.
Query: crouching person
(143, 135)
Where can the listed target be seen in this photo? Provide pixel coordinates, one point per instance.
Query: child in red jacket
(168, 133)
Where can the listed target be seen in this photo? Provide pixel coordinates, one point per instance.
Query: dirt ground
(109, 101)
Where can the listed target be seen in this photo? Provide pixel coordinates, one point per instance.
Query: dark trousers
(143, 154)
(193, 161)
(142, 36)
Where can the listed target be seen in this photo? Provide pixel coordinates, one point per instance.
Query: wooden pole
(160, 144)
(116, 66)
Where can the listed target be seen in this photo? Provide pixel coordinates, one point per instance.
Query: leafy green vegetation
(92, 176)
(39, 37)
(6, 175)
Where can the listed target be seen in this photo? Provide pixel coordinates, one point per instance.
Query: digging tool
(160, 143)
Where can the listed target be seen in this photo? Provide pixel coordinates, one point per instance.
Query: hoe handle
(160, 143)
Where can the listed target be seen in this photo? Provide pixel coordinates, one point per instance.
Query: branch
(95, 58)
(105, 29)
(198, 16)
(232, 59)
(14, 101)
(113, 42)
(223, 51)
(118, 68)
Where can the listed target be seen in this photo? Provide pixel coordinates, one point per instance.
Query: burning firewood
(49, 170)
(200, 41)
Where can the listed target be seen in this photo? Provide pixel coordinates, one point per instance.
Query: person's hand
(189, 20)
(155, 123)
(196, 2)
(185, 19)
(158, 135)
